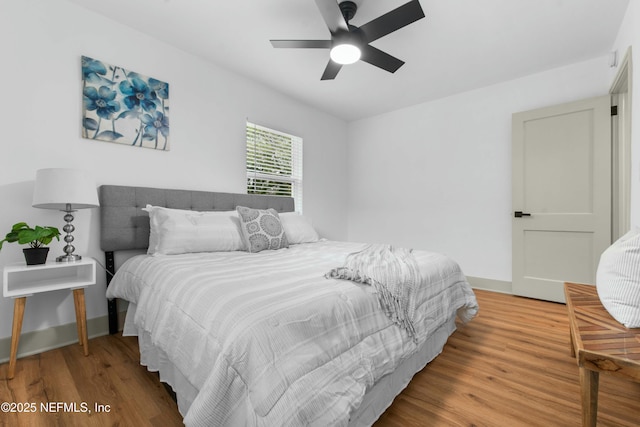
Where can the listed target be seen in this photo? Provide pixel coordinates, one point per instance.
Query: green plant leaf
(26, 236)
(19, 226)
(34, 237)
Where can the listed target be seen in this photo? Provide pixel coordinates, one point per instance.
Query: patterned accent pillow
(261, 229)
(618, 279)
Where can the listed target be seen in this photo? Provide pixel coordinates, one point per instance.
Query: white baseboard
(58, 336)
(490, 285)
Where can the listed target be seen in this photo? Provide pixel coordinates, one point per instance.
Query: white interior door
(562, 187)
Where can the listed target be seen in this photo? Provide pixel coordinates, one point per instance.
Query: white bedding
(266, 339)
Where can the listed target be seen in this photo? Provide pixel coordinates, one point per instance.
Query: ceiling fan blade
(332, 15)
(331, 71)
(380, 59)
(392, 21)
(309, 44)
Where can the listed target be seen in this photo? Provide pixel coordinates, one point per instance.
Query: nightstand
(21, 281)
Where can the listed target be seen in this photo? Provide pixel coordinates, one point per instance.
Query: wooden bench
(600, 344)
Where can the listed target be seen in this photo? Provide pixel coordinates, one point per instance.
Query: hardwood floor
(111, 375)
(510, 366)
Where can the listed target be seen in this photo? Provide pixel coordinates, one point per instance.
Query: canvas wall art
(123, 106)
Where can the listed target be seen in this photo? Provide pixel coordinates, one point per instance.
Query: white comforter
(268, 340)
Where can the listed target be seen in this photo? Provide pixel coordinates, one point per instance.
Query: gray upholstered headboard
(124, 225)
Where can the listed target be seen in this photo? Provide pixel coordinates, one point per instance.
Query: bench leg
(589, 394)
(571, 343)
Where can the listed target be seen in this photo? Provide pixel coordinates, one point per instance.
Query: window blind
(274, 163)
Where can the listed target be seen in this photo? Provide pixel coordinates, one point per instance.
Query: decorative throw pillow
(298, 229)
(261, 229)
(178, 231)
(618, 279)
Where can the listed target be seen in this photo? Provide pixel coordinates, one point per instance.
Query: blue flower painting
(124, 107)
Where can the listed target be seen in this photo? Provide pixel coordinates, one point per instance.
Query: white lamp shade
(57, 188)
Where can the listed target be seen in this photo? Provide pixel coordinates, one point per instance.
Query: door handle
(520, 214)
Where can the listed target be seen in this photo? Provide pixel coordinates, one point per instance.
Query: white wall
(437, 176)
(629, 36)
(40, 115)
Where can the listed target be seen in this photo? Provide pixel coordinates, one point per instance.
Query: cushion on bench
(618, 279)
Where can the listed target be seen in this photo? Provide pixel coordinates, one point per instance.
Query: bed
(270, 337)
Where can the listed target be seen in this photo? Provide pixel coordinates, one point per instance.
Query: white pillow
(298, 228)
(618, 279)
(177, 231)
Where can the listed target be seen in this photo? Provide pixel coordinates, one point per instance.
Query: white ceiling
(459, 46)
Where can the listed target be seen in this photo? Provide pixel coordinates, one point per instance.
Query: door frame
(621, 90)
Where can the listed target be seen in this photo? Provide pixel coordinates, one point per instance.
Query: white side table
(21, 281)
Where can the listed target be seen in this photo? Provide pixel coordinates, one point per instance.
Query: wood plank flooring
(510, 366)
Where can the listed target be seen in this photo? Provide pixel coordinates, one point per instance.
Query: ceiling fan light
(345, 54)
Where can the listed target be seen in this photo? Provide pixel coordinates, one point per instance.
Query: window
(274, 163)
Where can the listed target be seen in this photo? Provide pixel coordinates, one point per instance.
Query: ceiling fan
(349, 43)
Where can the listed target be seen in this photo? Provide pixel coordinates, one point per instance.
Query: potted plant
(37, 238)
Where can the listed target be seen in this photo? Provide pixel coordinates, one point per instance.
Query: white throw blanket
(393, 273)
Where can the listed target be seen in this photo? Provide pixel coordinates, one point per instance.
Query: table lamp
(66, 190)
